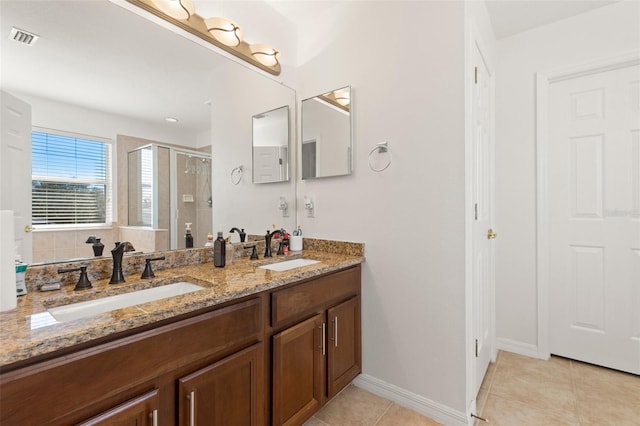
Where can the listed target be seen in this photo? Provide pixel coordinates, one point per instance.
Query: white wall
(240, 94)
(71, 118)
(602, 33)
(405, 62)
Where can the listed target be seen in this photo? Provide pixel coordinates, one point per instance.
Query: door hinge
(475, 75)
(475, 211)
(476, 348)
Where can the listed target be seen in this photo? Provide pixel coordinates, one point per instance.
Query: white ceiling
(509, 17)
(139, 69)
(134, 68)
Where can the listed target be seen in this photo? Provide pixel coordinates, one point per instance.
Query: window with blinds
(71, 180)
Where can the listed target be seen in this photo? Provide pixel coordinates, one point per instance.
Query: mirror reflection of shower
(193, 197)
(169, 187)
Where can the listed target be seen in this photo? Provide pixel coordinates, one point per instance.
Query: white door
(482, 195)
(15, 170)
(268, 163)
(594, 218)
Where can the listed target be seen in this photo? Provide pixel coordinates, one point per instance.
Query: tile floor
(517, 391)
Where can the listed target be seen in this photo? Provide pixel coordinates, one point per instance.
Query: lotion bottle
(219, 251)
(188, 238)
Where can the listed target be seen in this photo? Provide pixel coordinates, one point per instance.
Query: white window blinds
(71, 180)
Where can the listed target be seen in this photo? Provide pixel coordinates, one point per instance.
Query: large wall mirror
(326, 134)
(271, 146)
(99, 69)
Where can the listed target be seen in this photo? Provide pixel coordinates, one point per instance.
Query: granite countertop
(29, 330)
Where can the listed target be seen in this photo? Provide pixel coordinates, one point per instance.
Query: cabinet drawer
(79, 381)
(296, 302)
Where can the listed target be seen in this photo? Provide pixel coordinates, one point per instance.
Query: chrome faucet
(117, 276)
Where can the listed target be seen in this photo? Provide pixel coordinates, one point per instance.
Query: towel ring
(381, 148)
(236, 175)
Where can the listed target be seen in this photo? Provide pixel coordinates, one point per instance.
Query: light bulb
(265, 54)
(178, 9)
(225, 31)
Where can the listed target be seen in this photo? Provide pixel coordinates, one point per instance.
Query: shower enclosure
(167, 188)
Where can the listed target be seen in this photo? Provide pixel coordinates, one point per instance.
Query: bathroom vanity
(254, 347)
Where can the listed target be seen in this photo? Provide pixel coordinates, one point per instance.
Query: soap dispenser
(188, 238)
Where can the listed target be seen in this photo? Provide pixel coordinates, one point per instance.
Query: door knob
(28, 228)
(491, 235)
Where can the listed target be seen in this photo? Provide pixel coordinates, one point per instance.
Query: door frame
(543, 80)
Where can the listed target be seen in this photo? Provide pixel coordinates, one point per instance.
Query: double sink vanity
(257, 342)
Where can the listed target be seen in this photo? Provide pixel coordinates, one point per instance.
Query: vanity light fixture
(178, 9)
(221, 32)
(225, 31)
(265, 54)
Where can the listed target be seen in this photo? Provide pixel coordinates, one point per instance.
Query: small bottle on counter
(188, 238)
(209, 242)
(219, 251)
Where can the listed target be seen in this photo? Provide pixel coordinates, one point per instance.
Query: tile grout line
(574, 388)
(382, 415)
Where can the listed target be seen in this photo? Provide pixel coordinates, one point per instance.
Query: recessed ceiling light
(171, 119)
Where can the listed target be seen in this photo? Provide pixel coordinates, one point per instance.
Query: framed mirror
(326, 134)
(271, 146)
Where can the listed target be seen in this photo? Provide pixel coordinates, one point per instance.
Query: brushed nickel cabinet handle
(192, 408)
(154, 417)
(335, 331)
(323, 339)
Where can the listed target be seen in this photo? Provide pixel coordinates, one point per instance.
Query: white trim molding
(520, 348)
(543, 80)
(417, 403)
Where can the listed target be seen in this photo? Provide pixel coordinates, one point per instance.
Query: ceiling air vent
(22, 36)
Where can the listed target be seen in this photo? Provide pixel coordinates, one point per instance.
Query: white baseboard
(520, 348)
(417, 403)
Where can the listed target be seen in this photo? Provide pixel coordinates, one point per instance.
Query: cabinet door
(344, 345)
(228, 392)
(298, 371)
(139, 411)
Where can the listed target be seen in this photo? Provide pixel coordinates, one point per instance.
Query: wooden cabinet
(344, 353)
(101, 380)
(228, 392)
(140, 411)
(298, 370)
(317, 357)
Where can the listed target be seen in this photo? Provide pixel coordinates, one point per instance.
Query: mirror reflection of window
(271, 146)
(326, 134)
(71, 180)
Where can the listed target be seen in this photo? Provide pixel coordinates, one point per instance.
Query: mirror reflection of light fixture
(265, 54)
(220, 32)
(178, 9)
(225, 31)
(342, 97)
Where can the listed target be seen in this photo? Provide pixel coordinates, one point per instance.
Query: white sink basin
(94, 307)
(289, 264)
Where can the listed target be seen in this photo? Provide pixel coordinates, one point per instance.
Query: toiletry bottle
(219, 251)
(209, 242)
(188, 238)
